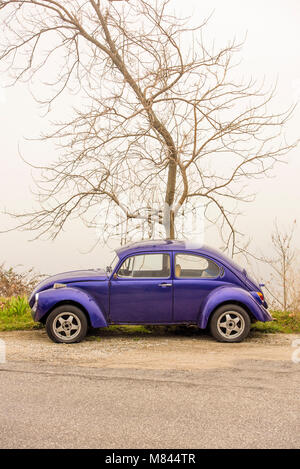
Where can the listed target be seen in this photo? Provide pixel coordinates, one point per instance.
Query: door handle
(165, 284)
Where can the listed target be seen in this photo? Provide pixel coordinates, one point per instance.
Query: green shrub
(15, 314)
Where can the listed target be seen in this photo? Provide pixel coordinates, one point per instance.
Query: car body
(153, 282)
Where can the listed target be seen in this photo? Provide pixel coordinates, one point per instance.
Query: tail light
(261, 296)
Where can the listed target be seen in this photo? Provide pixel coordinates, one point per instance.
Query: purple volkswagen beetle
(152, 282)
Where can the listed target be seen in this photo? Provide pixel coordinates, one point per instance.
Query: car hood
(69, 278)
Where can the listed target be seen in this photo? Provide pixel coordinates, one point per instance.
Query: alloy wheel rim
(66, 326)
(231, 324)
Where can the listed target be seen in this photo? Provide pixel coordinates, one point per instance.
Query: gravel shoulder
(152, 351)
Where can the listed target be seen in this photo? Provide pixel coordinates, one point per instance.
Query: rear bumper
(266, 316)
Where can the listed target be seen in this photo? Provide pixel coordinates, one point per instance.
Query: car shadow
(135, 331)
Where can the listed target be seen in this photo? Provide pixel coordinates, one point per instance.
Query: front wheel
(230, 323)
(66, 324)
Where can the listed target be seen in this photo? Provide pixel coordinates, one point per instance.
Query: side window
(146, 266)
(193, 266)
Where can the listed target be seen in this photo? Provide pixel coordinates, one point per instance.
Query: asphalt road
(153, 391)
(251, 405)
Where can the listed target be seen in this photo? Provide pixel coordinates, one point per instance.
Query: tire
(230, 323)
(66, 324)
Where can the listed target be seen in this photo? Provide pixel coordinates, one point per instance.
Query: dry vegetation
(14, 283)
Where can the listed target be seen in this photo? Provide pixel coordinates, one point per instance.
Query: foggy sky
(272, 50)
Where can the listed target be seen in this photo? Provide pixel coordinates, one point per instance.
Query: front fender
(226, 294)
(49, 298)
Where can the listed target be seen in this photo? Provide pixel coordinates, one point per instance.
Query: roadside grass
(15, 315)
(284, 322)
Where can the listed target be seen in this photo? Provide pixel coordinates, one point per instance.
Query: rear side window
(146, 266)
(194, 266)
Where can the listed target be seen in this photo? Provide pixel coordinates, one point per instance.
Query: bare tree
(282, 288)
(162, 122)
(294, 299)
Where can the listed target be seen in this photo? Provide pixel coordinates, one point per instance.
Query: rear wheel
(230, 323)
(66, 324)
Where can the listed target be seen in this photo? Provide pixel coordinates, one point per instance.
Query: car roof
(174, 245)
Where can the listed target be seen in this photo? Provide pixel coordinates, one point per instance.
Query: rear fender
(233, 294)
(48, 299)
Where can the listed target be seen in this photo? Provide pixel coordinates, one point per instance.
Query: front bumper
(35, 306)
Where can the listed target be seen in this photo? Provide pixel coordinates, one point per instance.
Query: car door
(195, 276)
(141, 290)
